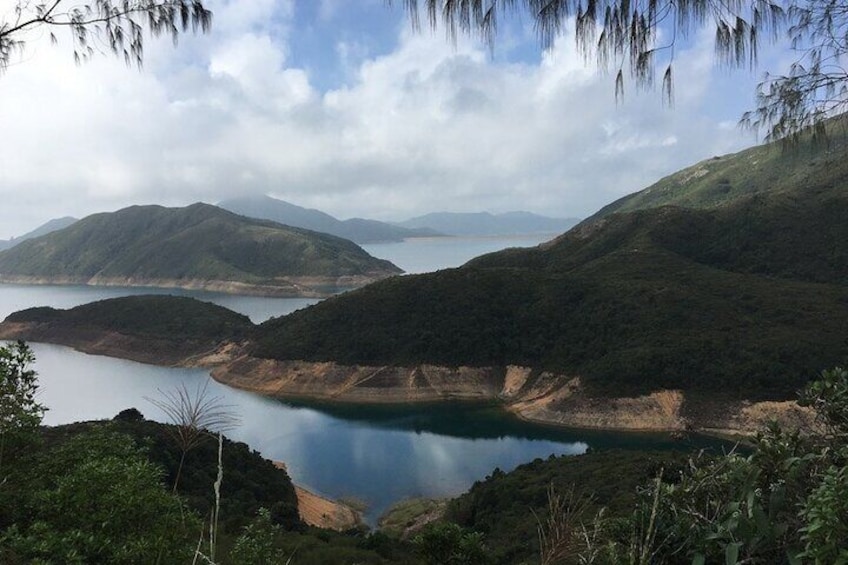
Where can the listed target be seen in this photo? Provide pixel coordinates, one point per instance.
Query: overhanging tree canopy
(102, 25)
(624, 36)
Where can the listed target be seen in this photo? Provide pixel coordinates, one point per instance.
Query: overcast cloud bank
(421, 126)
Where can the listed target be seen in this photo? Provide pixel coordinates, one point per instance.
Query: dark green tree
(446, 543)
(20, 412)
(98, 499)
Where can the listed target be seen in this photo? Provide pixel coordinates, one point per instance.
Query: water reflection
(370, 460)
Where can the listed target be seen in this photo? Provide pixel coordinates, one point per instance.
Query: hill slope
(486, 224)
(199, 246)
(748, 299)
(764, 170)
(48, 227)
(358, 230)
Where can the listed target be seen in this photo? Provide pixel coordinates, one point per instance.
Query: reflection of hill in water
(489, 421)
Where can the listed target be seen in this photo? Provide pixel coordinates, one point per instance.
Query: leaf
(699, 559)
(793, 559)
(731, 553)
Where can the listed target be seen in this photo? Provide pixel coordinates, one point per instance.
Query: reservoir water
(378, 455)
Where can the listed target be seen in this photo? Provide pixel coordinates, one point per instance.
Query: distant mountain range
(199, 246)
(372, 231)
(357, 230)
(486, 224)
(51, 226)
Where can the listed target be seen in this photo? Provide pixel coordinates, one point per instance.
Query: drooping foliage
(635, 37)
(116, 25)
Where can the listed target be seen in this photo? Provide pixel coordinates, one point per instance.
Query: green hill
(504, 506)
(199, 246)
(747, 298)
(50, 226)
(763, 170)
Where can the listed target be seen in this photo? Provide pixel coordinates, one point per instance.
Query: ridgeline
(358, 230)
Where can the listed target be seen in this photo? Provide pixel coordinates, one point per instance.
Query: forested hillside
(747, 297)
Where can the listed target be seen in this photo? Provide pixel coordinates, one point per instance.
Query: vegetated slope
(748, 299)
(251, 482)
(198, 242)
(61, 507)
(504, 506)
(48, 227)
(486, 224)
(765, 170)
(358, 230)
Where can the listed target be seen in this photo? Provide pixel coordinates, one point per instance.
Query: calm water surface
(15, 297)
(376, 454)
(425, 254)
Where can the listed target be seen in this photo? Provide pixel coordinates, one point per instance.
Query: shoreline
(288, 287)
(321, 511)
(551, 400)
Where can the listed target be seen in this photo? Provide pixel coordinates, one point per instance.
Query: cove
(374, 454)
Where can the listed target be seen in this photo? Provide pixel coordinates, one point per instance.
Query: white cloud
(426, 127)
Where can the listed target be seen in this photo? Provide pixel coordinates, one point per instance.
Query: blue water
(376, 454)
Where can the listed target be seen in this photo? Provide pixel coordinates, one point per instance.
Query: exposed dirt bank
(323, 512)
(541, 397)
(149, 350)
(357, 384)
(282, 287)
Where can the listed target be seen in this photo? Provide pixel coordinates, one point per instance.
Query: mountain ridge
(45, 228)
(358, 230)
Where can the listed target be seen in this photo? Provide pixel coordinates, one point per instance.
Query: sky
(339, 105)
